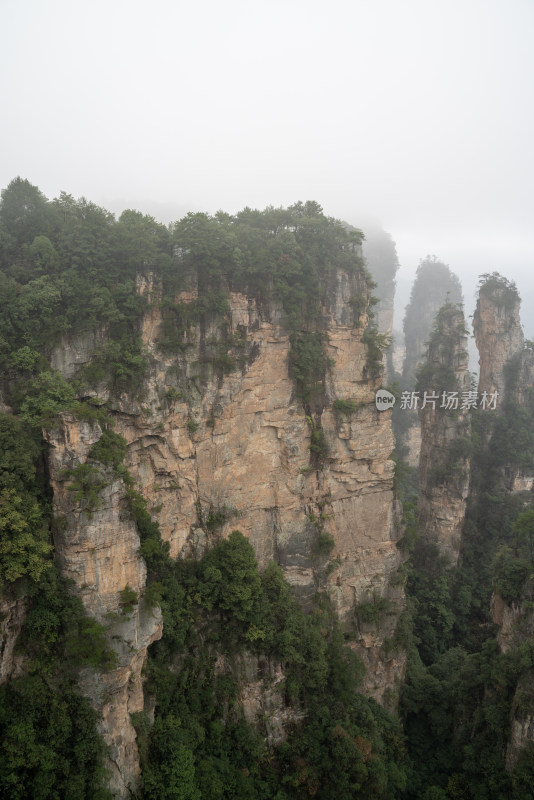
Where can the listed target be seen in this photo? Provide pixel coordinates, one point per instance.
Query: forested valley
(230, 617)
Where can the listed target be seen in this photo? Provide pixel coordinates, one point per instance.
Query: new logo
(384, 400)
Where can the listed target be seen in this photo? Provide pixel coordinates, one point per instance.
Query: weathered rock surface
(381, 257)
(499, 337)
(212, 451)
(247, 455)
(444, 466)
(516, 626)
(507, 367)
(98, 550)
(76, 351)
(262, 694)
(434, 286)
(119, 693)
(12, 615)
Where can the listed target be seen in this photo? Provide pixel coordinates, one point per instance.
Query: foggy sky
(417, 112)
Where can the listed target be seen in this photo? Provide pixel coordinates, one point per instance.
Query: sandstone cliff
(381, 257)
(434, 286)
(215, 449)
(498, 334)
(516, 627)
(12, 615)
(98, 549)
(507, 367)
(444, 459)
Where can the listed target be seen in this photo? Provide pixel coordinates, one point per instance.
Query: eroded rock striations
(498, 334)
(97, 548)
(213, 449)
(445, 430)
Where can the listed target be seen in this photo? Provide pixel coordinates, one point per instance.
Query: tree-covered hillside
(68, 267)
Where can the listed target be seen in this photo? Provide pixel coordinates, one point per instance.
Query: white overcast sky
(415, 112)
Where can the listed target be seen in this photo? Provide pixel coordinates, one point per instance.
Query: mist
(416, 113)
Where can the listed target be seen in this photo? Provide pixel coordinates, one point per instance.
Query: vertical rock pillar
(444, 382)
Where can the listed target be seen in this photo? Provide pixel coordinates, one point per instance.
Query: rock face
(215, 449)
(381, 257)
(12, 615)
(434, 286)
(507, 367)
(248, 461)
(98, 550)
(444, 461)
(516, 626)
(498, 335)
(261, 695)
(506, 362)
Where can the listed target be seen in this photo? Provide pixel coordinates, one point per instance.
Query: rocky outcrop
(74, 352)
(97, 547)
(12, 615)
(235, 449)
(507, 368)
(215, 445)
(506, 361)
(498, 334)
(262, 694)
(435, 285)
(516, 626)
(381, 258)
(444, 460)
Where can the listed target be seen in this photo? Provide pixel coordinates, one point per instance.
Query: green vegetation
(48, 730)
(24, 533)
(217, 517)
(128, 599)
(69, 268)
(110, 449)
(373, 611)
(318, 444)
(87, 483)
(286, 257)
(376, 344)
(502, 291)
(200, 744)
(446, 344)
(453, 463)
(434, 286)
(346, 407)
(45, 396)
(461, 691)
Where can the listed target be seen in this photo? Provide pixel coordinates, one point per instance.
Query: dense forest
(68, 266)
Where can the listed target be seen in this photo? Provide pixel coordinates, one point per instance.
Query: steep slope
(445, 433)
(231, 386)
(235, 452)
